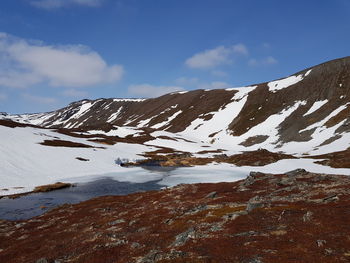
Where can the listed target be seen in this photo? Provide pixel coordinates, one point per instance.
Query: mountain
(307, 112)
(301, 121)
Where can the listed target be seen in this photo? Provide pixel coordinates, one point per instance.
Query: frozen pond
(149, 178)
(36, 204)
(129, 180)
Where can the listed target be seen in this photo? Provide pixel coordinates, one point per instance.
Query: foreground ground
(293, 217)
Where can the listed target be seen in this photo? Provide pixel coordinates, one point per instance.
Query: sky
(54, 52)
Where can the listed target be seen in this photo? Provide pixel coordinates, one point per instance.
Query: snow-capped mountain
(303, 115)
(307, 112)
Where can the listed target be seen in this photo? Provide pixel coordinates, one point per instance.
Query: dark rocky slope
(293, 217)
(328, 82)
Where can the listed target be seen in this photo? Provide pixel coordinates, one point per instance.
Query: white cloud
(55, 4)
(270, 61)
(38, 99)
(209, 58)
(147, 90)
(215, 85)
(25, 63)
(263, 62)
(218, 56)
(240, 49)
(75, 93)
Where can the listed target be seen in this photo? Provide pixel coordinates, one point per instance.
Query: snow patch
(276, 85)
(167, 121)
(118, 131)
(132, 100)
(331, 115)
(83, 109)
(115, 115)
(316, 106)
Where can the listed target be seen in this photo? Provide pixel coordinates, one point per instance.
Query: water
(131, 180)
(36, 204)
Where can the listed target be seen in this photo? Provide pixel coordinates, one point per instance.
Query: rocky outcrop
(260, 157)
(336, 159)
(293, 217)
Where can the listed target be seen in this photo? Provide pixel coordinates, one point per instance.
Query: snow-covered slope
(25, 162)
(304, 114)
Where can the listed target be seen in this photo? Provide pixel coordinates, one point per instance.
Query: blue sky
(53, 52)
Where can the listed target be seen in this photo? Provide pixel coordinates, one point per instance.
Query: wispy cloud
(26, 63)
(75, 93)
(263, 62)
(240, 49)
(218, 56)
(38, 99)
(215, 85)
(55, 4)
(185, 81)
(198, 84)
(148, 90)
(270, 61)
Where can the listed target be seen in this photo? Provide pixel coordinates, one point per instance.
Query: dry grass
(51, 187)
(62, 143)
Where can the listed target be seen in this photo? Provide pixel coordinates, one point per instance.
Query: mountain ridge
(309, 100)
(303, 118)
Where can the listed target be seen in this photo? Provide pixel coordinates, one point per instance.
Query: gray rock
(220, 156)
(117, 243)
(254, 203)
(42, 260)
(182, 238)
(253, 260)
(132, 222)
(253, 206)
(119, 221)
(286, 182)
(211, 195)
(331, 198)
(197, 209)
(216, 227)
(328, 251)
(249, 233)
(308, 216)
(251, 178)
(151, 257)
(296, 172)
(321, 243)
(135, 245)
(168, 221)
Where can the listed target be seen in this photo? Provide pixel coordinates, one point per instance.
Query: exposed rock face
(292, 217)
